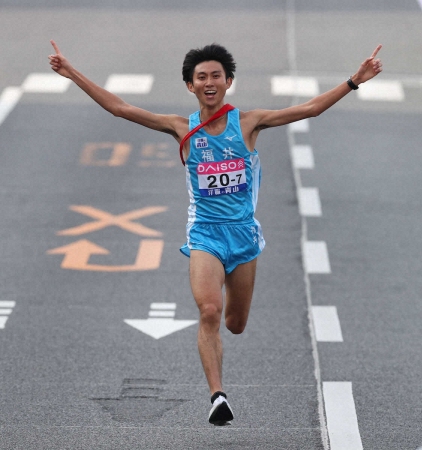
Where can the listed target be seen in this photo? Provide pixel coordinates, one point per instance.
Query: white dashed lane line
(302, 157)
(309, 202)
(342, 421)
(129, 84)
(9, 98)
(294, 86)
(327, 324)
(381, 90)
(301, 126)
(6, 308)
(46, 83)
(316, 258)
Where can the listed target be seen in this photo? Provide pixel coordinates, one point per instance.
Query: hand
(369, 68)
(59, 63)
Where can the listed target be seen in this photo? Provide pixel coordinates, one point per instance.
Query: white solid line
(161, 313)
(163, 306)
(420, 3)
(9, 98)
(342, 421)
(46, 83)
(129, 83)
(301, 126)
(5, 311)
(3, 320)
(316, 258)
(7, 304)
(294, 86)
(309, 202)
(303, 157)
(327, 324)
(381, 90)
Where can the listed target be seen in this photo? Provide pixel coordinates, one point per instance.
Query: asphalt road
(81, 192)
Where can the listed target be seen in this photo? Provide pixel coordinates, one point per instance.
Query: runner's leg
(239, 291)
(207, 279)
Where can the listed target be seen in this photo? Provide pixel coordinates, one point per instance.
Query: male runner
(223, 177)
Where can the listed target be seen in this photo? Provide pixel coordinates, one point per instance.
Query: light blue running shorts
(232, 244)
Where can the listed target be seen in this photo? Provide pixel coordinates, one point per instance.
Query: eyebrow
(212, 73)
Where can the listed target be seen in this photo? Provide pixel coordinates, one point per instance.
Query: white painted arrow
(160, 322)
(158, 328)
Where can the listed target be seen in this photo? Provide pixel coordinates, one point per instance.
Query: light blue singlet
(223, 179)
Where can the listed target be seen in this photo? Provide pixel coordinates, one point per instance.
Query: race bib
(219, 178)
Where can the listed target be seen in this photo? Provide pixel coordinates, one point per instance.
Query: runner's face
(209, 83)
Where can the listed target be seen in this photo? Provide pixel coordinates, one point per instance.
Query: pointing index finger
(55, 46)
(374, 54)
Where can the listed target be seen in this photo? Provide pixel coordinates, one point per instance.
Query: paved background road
(74, 374)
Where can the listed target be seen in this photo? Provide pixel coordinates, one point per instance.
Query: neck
(206, 112)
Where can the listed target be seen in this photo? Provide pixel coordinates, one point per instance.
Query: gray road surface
(74, 374)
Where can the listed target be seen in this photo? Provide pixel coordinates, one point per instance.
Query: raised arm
(171, 124)
(314, 107)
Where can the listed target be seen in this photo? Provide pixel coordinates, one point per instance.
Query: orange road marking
(120, 152)
(105, 219)
(77, 254)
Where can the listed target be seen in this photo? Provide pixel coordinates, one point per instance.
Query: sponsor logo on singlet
(201, 142)
(219, 178)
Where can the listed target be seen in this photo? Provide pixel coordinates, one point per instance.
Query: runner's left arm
(316, 106)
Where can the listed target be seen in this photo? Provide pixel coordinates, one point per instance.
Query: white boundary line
(9, 98)
(290, 24)
(342, 421)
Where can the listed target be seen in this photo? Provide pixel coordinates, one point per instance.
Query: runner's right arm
(172, 124)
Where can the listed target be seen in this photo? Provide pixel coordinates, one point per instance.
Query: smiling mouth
(210, 93)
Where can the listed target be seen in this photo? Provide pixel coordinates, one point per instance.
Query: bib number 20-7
(219, 178)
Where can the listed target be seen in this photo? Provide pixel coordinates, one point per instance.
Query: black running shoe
(221, 414)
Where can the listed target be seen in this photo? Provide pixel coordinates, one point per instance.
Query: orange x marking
(105, 219)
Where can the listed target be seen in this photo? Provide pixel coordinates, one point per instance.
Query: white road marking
(158, 328)
(160, 322)
(316, 257)
(420, 4)
(342, 421)
(309, 202)
(129, 83)
(161, 313)
(381, 90)
(6, 308)
(163, 306)
(9, 98)
(7, 304)
(301, 126)
(294, 86)
(327, 324)
(46, 83)
(303, 157)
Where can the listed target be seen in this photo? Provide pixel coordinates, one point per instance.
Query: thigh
(239, 290)
(206, 278)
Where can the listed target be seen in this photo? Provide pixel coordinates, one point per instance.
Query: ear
(229, 82)
(190, 87)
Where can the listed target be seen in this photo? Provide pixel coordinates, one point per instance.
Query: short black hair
(213, 52)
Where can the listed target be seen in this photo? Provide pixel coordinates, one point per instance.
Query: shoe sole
(221, 416)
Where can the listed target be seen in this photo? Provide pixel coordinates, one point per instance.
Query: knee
(235, 325)
(210, 314)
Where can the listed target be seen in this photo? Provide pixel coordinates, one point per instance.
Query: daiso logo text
(218, 167)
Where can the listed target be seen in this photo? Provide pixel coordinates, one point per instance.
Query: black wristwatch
(351, 84)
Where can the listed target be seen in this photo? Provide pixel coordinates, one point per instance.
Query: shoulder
(250, 120)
